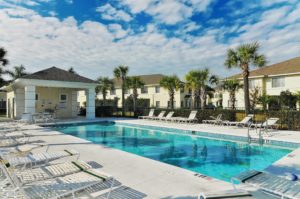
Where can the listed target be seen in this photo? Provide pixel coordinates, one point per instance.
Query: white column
(90, 103)
(74, 103)
(29, 99)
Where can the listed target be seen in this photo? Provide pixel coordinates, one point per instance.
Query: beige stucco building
(271, 80)
(50, 90)
(157, 95)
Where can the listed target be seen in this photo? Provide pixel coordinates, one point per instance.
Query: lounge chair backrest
(151, 113)
(161, 114)
(192, 115)
(246, 119)
(219, 117)
(270, 121)
(170, 114)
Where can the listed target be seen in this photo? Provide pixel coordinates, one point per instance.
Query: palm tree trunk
(246, 88)
(202, 96)
(104, 98)
(194, 99)
(134, 99)
(171, 93)
(232, 99)
(123, 98)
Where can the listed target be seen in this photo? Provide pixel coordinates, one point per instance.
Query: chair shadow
(123, 192)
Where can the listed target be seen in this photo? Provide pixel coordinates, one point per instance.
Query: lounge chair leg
(111, 186)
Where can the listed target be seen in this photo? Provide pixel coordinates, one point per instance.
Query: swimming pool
(215, 158)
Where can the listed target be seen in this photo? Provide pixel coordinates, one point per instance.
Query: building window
(157, 89)
(63, 97)
(127, 91)
(157, 104)
(144, 89)
(36, 97)
(252, 84)
(190, 91)
(112, 92)
(278, 82)
(181, 104)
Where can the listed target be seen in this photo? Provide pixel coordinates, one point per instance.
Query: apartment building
(157, 95)
(272, 80)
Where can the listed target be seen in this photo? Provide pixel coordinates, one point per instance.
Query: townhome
(271, 80)
(157, 95)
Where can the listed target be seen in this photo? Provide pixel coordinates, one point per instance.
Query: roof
(147, 79)
(57, 74)
(290, 66)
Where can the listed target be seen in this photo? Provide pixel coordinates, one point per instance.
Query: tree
(3, 62)
(254, 97)
(71, 70)
(104, 85)
(172, 84)
(199, 81)
(264, 100)
(135, 82)
(17, 72)
(193, 81)
(287, 100)
(242, 57)
(297, 95)
(232, 86)
(3, 59)
(121, 73)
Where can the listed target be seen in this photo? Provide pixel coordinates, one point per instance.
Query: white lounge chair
(269, 183)
(168, 117)
(20, 149)
(10, 142)
(160, 115)
(269, 123)
(60, 186)
(151, 114)
(245, 122)
(215, 120)
(36, 159)
(226, 194)
(191, 119)
(46, 172)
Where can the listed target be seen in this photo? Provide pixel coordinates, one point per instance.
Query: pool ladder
(258, 140)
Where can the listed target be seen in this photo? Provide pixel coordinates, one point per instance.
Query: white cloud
(108, 12)
(40, 42)
(169, 12)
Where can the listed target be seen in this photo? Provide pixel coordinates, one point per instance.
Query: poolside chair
(245, 122)
(10, 142)
(269, 123)
(269, 183)
(160, 115)
(191, 119)
(20, 149)
(46, 172)
(215, 120)
(168, 117)
(151, 114)
(226, 194)
(61, 186)
(37, 159)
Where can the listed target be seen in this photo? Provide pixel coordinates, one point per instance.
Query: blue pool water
(211, 157)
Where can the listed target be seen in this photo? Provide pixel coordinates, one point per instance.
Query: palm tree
(71, 70)
(193, 81)
(232, 86)
(135, 82)
(17, 72)
(3, 60)
(242, 57)
(121, 73)
(172, 84)
(104, 84)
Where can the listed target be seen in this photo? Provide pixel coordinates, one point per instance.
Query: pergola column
(90, 103)
(29, 99)
(74, 103)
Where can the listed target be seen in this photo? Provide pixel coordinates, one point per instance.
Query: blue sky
(150, 36)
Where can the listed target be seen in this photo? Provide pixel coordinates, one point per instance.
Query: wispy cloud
(108, 12)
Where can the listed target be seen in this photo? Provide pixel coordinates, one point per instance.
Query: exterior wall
(292, 83)
(162, 97)
(10, 106)
(49, 99)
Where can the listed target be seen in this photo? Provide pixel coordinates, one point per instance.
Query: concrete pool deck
(145, 178)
